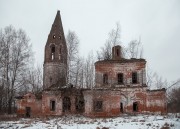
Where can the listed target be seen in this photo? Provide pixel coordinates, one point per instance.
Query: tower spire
(55, 59)
(57, 24)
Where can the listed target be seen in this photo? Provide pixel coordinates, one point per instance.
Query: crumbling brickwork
(29, 105)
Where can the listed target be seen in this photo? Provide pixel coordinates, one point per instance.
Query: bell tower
(55, 59)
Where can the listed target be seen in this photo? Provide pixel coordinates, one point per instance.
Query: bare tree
(89, 71)
(134, 49)
(105, 52)
(73, 56)
(33, 80)
(154, 81)
(16, 56)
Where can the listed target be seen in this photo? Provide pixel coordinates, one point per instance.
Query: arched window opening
(135, 106)
(105, 79)
(54, 36)
(120, 78)
(134, 77)
(52, 52)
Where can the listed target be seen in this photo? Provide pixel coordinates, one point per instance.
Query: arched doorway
(66, 104)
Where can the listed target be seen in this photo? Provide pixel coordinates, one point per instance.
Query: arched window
(52, 51)
(105, 79)
(120, 78)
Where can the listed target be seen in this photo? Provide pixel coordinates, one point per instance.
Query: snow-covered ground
(171, 121)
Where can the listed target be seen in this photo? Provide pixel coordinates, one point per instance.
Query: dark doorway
(28, 112)
(121, 107)
(135, 106)
(66, 104)
(79, 104)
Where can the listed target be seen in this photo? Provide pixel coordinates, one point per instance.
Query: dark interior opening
(52, 105)
(121, 107)
(28, 112)
(117, 52)
(79, 104)
(135, 106)
(98, 106)
(52, 51)
(105, 79)
(66, 104)
(134, 77)
(120, 78)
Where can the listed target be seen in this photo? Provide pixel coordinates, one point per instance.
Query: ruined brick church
(120, 86)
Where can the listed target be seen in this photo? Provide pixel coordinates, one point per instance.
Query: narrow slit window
(52, 51)
(105, 79)
(121, 107)
(52, 105)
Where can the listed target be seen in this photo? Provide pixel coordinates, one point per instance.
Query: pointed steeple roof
(57, 38)
(57, 18)
(57, 25)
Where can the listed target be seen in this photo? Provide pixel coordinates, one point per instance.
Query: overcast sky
(157, 22)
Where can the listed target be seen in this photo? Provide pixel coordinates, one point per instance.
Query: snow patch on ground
(170, 121)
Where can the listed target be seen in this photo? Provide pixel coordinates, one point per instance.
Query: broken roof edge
(37, 95)
(122, 60)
